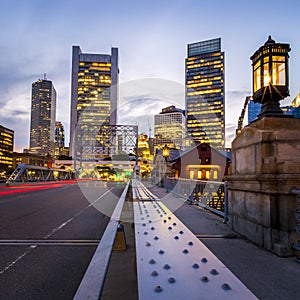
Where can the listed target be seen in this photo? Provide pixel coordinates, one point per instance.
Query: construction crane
(241, 118)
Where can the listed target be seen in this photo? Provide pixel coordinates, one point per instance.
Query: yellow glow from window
(191, 174)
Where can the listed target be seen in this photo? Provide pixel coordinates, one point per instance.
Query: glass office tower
(43, 112)
(94, 97)
(169, 128)
(205, 90)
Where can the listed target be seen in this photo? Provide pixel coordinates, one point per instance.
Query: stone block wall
(265, 168)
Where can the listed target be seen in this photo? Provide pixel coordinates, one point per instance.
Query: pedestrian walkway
(264, 273)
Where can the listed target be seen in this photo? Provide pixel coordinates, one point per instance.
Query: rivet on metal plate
(158, 289)
(152, 261)
(204, 279)
(167, 267)
(190, 243)
(214, 272)
(172, 280)
(154, 273)
(204, 260)
(161, 252)
(226, 287)
(185, 251)
(196, 266)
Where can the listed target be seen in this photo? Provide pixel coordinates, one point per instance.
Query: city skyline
(152, 39)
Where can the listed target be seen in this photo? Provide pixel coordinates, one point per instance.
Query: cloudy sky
(37, 37)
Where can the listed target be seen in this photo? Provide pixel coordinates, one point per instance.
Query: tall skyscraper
(6, 148)
(205, 92)
(94, 96)
(169, 128)
(43, 112)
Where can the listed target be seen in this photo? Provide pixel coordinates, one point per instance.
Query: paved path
(264, 273)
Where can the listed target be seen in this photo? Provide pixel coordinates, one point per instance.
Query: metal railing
(211, 195)
(29, 173)
(92, 283)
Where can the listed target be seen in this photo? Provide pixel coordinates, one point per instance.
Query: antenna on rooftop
(45, 76)
(149, 129)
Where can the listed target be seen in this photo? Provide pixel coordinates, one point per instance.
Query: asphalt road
(65, 213)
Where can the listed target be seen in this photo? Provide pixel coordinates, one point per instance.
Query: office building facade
(6, 148)
(94, 97)
(205, 92)
(43, 112)
(169, 128)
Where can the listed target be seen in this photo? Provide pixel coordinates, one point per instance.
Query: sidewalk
(265, 274)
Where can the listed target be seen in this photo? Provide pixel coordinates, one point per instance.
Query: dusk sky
(152, 36)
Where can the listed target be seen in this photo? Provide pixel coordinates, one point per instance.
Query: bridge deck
(172, 263)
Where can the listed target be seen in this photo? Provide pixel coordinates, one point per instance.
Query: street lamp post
(165, 154)
(270, 76)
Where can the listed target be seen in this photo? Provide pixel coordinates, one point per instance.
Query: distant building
(6, 148)
(43, 111)
(151, 145)
(94, 97)
(287, 110)
(290, 110)
(31, 159)
(169, 128)
(145, 157)
(201, 162)
(205, 92)
(59, 139)
(59, 135)
(253, 110)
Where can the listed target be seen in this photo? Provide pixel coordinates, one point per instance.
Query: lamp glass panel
(266, 75)
(278, 73)
(257, 80)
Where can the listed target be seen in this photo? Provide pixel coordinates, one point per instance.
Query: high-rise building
(94, 97)
(6, 148)
(169, 128)
(205, 92)
(43, 112)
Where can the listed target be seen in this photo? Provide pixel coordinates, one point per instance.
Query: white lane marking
(11, 264)
(76, 215)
